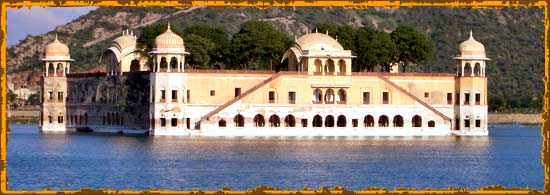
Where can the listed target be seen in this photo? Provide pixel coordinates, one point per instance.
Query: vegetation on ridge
(513, 39)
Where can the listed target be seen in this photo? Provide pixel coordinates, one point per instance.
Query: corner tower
(471, 89)
(168, 87)
(57, 62)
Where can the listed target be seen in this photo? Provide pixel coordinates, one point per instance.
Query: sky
(39, 20)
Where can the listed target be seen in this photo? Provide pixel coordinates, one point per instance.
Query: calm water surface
(510, 156)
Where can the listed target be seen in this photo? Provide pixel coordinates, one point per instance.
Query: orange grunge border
(359, 4)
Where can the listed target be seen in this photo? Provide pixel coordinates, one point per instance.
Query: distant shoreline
(28, 116)
(509, 118)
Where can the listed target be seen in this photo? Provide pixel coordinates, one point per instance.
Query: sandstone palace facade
(318, 96)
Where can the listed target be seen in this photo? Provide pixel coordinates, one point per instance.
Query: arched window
(274, 121)
(86, 118)
(342, 67)
(163, 64)
(329, 96)
(417, 121)
(317, 96)
(59, 69)
(173, 64)
(341, 122)
(134, 66)
(398, 121)
(341, 98)
(431, 123)
(259, 121)
(329, 68)
(239, 120)
(467, 69)
(108, 118)
(477, 69)
(290, 121)
(50, 118)
(317, 121)
(369, 121)
(318, 67)
(222, 123)
(329, 121)
(383, 121)
(51, 70)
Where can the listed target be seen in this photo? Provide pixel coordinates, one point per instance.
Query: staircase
(399, 88)
(247, 92)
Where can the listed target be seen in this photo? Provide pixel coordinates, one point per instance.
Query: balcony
(317, 102)
(341, 102)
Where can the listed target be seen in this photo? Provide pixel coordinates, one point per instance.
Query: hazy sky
(39, 20)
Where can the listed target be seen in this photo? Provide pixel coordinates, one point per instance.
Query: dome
(472, 49)
(168, 42)
(318, 41)
(125, 41)
(57, 49)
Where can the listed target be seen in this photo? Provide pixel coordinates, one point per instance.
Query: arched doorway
(134, 66)
(431, 123)
(173, 64)
(398, 121)
(59, 69)
(330, 67)
(417, 121)
(329, 96)
(467, 69)
(290, 121)
(317, 96)
(318, 67)
(342, 67)
(329, 121)
(341, 122)
(383, 121)
(222, 123)
(274, 121)
(259, 121)
(341, 97)
(317, 121)
(163, 64)
(239, 120)
(369, 121)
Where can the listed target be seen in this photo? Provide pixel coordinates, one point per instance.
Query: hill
(513, 39)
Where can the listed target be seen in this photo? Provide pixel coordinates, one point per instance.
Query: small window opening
(291, 97)
(366, 97)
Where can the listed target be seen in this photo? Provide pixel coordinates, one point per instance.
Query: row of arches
(113, 118)
(329, 67)
(174, 65)
(329, 121)
(77, 119)
(56, 70)
(467, 69)
(330, 97)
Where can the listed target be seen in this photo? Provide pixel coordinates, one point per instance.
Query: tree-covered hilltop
(513, 39)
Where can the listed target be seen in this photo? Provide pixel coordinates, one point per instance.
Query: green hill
(513, 39)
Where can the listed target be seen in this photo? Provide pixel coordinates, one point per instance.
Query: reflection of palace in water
(318, 96)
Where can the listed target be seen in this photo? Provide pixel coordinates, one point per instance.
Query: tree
(412, 46)
(200, 49)
(217, 35)
(374, 48)
(258, 45)
(345, 34)
(146, 39)
(34, 99)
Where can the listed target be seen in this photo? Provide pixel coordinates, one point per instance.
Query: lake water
(509, 156)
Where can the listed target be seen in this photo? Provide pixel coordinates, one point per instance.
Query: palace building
(318, 96)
